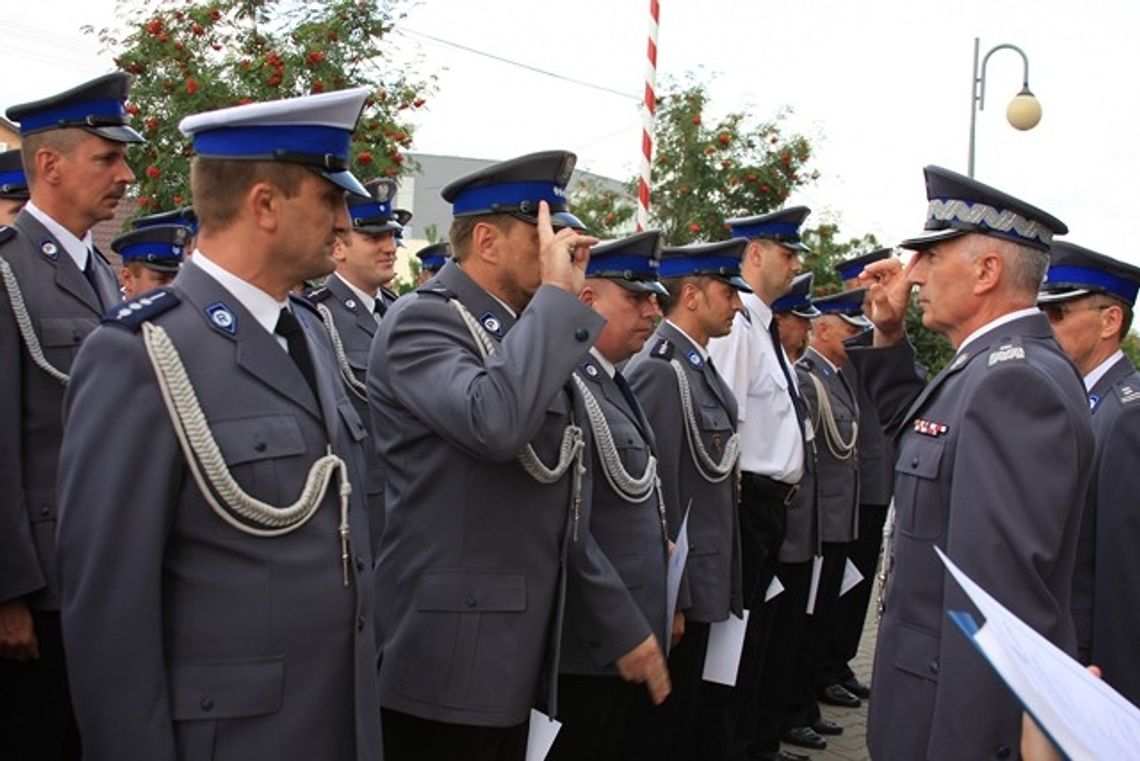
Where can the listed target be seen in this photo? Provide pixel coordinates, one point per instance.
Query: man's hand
(563, 255)
(678, 627)
(1035, 746)
(645, 664)
(888, 292)
(17, 633)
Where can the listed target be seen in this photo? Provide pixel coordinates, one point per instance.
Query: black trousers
(763, 521)
(803, 708)
(851, 611)
(783, 652)
(410, 738)
(595, 713)
(36, 719)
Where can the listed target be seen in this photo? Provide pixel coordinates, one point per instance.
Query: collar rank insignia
(350, 304)
(49, 249)
(492, 325)
(930, 428)
(1094, 400)
(222, 318)
(1005, 353)
(694, 358)
(590, 370)
(960, 360)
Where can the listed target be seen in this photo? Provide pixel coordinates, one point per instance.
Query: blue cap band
(262, 142)
(778, 230)
(640, 266)
(486, 198)
(839, 307)
(681, 266)
(433, 262)
(851, 271)
(136, 250)
(13, 178)
(369, 210)
(1086, 277)
(74, 111)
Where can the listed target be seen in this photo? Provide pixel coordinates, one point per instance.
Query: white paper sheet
(1085, 717)
(851, 578)
(722, 658)
(673, 575)
(540, 735)
(813, 590)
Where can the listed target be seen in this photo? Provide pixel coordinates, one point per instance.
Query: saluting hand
(888, 295)
(645, 664)
(563, 255)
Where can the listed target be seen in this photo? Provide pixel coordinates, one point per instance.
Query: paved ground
(852, 744)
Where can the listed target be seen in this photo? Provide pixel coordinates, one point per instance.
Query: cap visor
(858, 320)
(117, 133)
(797, 246)
(1066, 294)
(162, 266)
(387, 227)
(929, 238)
(345, 180)
(808, 313)
(560, 219)
(642, 286)
(737, 282)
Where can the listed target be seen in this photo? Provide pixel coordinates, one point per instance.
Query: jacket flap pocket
(916, 652)
(65, 331)
(920, 456)
(473, 592)
(227, 689)
(265, 437)
(714, 418)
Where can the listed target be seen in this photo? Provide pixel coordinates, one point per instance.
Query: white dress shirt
(771, 442)
(1098, 372)
(264, 308)
(78, 249)
(366, 301)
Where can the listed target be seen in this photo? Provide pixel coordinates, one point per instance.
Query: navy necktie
(89, 273)
(797, 402)
(290, 329)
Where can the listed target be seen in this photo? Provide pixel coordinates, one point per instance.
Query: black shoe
(805, 737)
(826, 727)
(856, 688)
(779, 755)
(837, 695)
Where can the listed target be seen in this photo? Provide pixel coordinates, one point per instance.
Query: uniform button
(581, 334)
(359, 563)
(470, 602)
(45, 511)
(934, 666)
(260, 446)
(360, 623)
(207, 704)
(914, 463)
(1003, 752)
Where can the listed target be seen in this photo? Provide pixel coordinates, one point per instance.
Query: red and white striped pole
(647, 117)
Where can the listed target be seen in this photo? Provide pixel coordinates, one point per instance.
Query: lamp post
(1023, 112)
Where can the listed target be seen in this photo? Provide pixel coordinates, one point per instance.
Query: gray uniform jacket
(994, 456)
(836, 480)
(469, 567)
(1108, 570)
(185, 635)
(356, 327)
(630, 534)
(63, 311)
(712, 571)
(876, 451)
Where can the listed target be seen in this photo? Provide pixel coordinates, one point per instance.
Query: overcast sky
(881, 87)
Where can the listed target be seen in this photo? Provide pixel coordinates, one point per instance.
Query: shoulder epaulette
(807, 363)
(132, 314)
(1127, 391)
(6, 234)
(389, 293)
(437, 289)
(317, 295)
(662, 349)
(1009, 350)
(301, 301)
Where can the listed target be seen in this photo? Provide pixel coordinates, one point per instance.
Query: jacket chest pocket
(62, 336)
(265, 453)
(716, 428)
(918, 492)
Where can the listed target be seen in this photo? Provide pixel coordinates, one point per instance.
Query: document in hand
(1083, 716)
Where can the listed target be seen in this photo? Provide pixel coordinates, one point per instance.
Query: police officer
(628, 516)
(351, 302)
(183, 217)
(694, 411)
(54, 287)
(833, 413)
(480, 433)
(770, 413)
(994, 459)
(432, 258)
(13, 186)
(1089, 298)
(876, 482)
(219, 600)
(151, 256)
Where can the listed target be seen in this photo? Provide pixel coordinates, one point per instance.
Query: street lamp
(1023, 112)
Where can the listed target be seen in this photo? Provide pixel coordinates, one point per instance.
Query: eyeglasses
(1058, 312)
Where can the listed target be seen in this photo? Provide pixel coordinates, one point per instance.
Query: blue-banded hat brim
(171, 265)
(378, 229)
(931, 237)
(795, 245)
(1062, 294)
(858, 320)
(808, 313)
(640, 286)
(343, 179)
(118, 133)
(560, 219)
(736, 281)
(21, 194)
